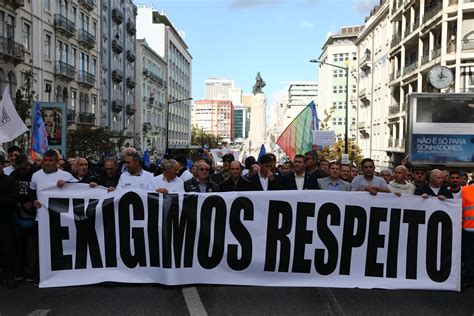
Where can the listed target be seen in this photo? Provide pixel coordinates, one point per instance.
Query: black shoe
(11, 284)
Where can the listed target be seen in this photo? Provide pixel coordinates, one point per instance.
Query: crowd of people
(22, 179)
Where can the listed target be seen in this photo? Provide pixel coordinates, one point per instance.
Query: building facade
(339, 49)
(58, 41)
(118, 50)
(373, 46)
(241, 124)
(426, 34)
(218, 88)
(150, 99)
(162, 36)
(216, 117)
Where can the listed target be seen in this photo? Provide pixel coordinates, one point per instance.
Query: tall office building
(241, 123)
(300, 94)
(150, 99)
(218, 88)
(118, 67)
(339, 49)
(373, 99)
(59, 42)
(163, 37)
(216, 117)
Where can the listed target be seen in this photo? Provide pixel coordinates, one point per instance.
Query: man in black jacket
(236, 182)
(8, 202)
(265, 179)
(220, 177)
(202, 182)
(83, 174)
(299, 179)
(312, 165)
(435, 187)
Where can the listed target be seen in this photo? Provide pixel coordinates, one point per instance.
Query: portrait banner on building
(279, 238)
(55, 124)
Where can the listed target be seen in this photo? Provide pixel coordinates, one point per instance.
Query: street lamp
(168, 120)
(346, 134)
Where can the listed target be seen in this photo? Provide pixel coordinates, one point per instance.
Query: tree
(90, 142)
(200, 137)
(24, 97)
(335, 152)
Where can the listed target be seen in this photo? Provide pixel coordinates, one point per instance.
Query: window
(47, 5)
(26, 35)
(94, 28)
(74, 15)
(93, 66)
(47, 89)
(47, 46)
(94, 103)
(73, 99)
(74, 57)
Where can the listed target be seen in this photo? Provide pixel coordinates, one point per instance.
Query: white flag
(11, 125)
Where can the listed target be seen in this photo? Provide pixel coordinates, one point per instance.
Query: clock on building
(440, 77)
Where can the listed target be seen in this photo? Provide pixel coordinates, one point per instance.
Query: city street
(128, 299)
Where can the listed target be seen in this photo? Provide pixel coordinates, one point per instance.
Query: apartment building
(59, 42)
(218, 88)
(426, 33)
(164, 38)
(150, 99)
(216, 117)
(373, 46)
(339, 49)
(118, 31)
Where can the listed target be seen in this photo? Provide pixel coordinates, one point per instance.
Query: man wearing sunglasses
(201, 182)
(225, 173)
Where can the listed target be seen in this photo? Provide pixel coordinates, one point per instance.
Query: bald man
(399, 185)
(435, 187)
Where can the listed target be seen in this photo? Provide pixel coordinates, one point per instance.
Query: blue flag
(262, 152)
(40, 136)
(146, 159)
(312, 106)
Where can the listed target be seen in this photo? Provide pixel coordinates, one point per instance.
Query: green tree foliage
(200, 137)
(90, 142)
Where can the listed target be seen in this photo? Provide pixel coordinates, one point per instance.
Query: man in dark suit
(265, 179)
(312, 165)
(435, 187)
(236, 182)
(299, 179)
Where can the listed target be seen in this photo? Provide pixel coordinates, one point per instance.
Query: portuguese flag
(298, 136)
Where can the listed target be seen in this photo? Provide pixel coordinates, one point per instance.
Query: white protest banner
(273, 238)
(218, 153)
(324, 138)
(11, 125)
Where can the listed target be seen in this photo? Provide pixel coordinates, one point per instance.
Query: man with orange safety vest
(468, 235)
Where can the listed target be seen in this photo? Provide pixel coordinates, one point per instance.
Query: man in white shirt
(50, 175)
(184, 173)
(168, 182)
(13, 152)
(134, 177)
(399, 185)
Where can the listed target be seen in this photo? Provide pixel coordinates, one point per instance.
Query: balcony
(468, 44)
(117, 76)
(432, 10)
(392, 143)
(131, 29)
(71, 115)
(361, 125)
(65, 70)
(130, 110)
(11, 50)
(435, 53)
(86, 38)
(117, 106)
(87, 4)
(396, 39)
(131, 56)
(394, 109)
(425, 58)
(117, 16)
(364, 63)
(63, 24)
(86, 118)
(145, 72)
(117, 47)
(155, 78)
(151, 100)
(86, 78)
(131, 83)
(410, 68)
(16, 3)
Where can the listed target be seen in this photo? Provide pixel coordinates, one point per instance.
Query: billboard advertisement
(441, 129)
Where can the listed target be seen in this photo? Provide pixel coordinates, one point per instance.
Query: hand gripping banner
(279, 238)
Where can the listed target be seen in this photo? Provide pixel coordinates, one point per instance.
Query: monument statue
(259, 84)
